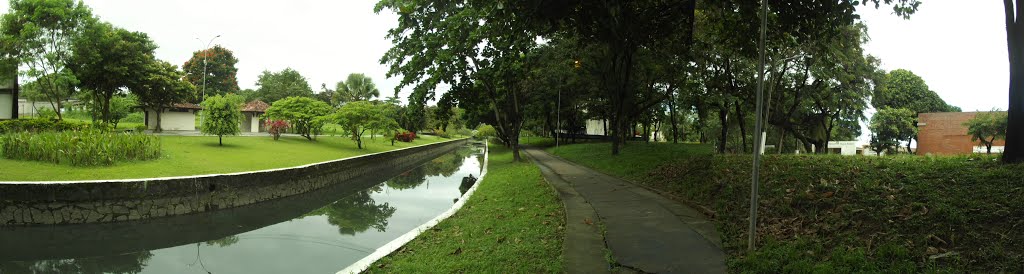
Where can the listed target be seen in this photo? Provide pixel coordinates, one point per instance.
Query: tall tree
(221, 73)
(903, 89)
(1014, 150)
(107, 59)
(161, 86)
(359, 116)
(275, 86)
(357, 87)
(38, 34)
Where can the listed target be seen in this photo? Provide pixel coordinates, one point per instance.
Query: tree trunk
(220, 140)
(909, 151)
(158, 128)
(1013, 152)
(672, 117)
(723, 118)
(743, 127)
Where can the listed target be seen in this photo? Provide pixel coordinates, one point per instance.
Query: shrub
(46, 113)
(80, 148)
(405, 136)
(440, 133)
(485, 131)
(134, 117)
(276, 127)
(39, 125)
(140, 128)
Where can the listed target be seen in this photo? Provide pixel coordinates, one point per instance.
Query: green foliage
(945, 214)
(221, 73)
(904, 89)
(192, 155)
(38, 34)
(360, 116)
(275, 86)
(39, 125)
(484, 131)
(357, 87)
(46, 113)
(889, 126)
(305, 115)
(160, 87)
(108, 59)
(120, 107)
(986, 127)
(222, 115)
(80, 148)
(513, 223)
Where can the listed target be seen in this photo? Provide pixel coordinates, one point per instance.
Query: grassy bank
(194, 155)
(514, 223)
(822, 213)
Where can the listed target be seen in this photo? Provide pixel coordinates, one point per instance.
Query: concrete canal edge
(366, 262)
(101, 201)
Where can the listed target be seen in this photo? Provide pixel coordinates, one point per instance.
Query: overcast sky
(959, 49)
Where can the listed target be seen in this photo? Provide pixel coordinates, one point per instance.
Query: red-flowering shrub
(276, 127)
(405, 136)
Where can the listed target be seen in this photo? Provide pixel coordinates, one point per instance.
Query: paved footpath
(644, 231)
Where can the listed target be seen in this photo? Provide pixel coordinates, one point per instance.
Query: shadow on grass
(226, 145)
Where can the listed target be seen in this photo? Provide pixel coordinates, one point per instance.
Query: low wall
(77, 202)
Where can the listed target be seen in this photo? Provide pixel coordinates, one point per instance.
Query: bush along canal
(320, 231)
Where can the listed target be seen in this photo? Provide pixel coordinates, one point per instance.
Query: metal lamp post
(206, 53)
(755, 176)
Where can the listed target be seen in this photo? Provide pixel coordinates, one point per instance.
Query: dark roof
(255, 106)
(186, 105)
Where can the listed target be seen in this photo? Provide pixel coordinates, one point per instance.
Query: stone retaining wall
(76, 202)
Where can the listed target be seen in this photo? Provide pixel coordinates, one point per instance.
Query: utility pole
(755, 172)
(206, 53)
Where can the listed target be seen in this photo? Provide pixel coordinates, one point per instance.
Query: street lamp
(206, 53)
(756, 167)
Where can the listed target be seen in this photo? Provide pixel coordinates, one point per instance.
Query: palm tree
(357, 87)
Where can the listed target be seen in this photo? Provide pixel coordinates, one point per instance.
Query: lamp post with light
(206, 53)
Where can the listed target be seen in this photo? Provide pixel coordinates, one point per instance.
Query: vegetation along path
(643, 231)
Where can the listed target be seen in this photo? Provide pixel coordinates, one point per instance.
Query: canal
(321, 231)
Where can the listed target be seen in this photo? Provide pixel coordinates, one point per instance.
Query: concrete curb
(365, 262)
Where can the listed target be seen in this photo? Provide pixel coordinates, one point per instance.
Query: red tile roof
(255, 106)
(186, 105)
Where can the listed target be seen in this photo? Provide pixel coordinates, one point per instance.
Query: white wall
(845, 147)
(172, 120)
(6, 104)
(595, 127)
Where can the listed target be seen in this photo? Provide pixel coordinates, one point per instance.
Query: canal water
(322, 231)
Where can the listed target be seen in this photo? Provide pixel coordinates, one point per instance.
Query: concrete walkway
(644, 231)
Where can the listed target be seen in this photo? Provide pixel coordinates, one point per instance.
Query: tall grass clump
(80, 148)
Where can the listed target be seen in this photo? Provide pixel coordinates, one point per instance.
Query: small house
(251, 112)
(9, 93)
(180, 116)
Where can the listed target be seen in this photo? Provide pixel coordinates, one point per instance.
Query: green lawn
(514, 223)
(635, 160)
(194, 155)
(841, 214)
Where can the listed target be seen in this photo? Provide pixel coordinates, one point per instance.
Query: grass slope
(194, 155)
(514, 223)
(840, 214)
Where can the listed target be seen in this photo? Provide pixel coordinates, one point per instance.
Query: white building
(843, 147)
(251, 112)
(181, 116)
(9, 95)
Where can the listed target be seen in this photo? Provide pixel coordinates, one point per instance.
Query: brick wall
(943, 133)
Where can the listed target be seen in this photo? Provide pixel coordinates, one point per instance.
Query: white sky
(323, 40)
(959, 49)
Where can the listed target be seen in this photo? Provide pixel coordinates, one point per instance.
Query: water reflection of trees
(124, 263)
(222, 242)
(446, 165)
(357, 213)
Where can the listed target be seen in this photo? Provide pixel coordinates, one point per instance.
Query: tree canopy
(986, 127)
(161, 87)
(305, 115)
(357, 87)
(361, 116)
(273, 86)
(221, 73)
(222, 115)
(108, 59)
